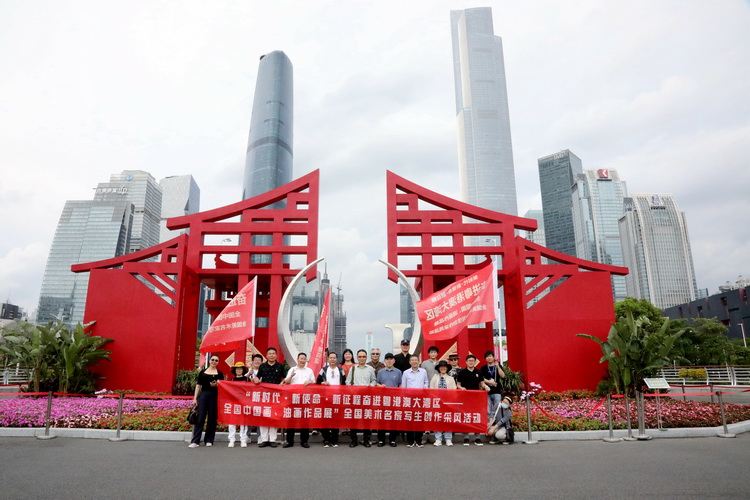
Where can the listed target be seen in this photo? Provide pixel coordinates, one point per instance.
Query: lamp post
(742, 329)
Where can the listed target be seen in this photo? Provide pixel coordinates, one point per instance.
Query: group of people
(399, 370)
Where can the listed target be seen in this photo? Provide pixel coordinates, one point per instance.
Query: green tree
(633, 351)
(706, 343)
(60, 358)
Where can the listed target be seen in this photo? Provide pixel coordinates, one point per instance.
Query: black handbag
(192, 417)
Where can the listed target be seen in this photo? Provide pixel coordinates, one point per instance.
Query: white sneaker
(243, 445)
(231, 444)
(448, 442)
(209, 444)
(437, 443)
(193, 445)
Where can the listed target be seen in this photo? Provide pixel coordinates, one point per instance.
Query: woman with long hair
(348, 361)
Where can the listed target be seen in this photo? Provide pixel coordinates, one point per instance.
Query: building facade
(537, 236)
(87, 231)
(730, 306)
(180, 196)
(656, 249)
(485, 152)
(141, 189)
(268, 162)
(557, 174)
(597, 198)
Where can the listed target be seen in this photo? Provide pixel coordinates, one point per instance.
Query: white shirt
(333, 377)
(298, 376)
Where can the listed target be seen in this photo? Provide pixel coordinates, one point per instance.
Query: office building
(141, 189)
(656, 249)
(538, 235)
(597, 198)
(87, 231)
(557, 174)
(485, 153)
(180, 196)
(268, 162)
(10, 311)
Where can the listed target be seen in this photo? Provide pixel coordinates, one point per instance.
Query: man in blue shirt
(414, 377)
(388, 377)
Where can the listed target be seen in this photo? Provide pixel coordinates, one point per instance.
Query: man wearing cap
(471, 379)
(415, 378)
(454, 368)
(402, 358)
(389, 376)
(430, 365)
(299, 375)
(375, 362)
(361, 374)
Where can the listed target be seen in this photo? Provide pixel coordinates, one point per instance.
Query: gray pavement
(96, 468)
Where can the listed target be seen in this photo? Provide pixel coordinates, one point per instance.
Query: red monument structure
(148, 301)
(549, 296)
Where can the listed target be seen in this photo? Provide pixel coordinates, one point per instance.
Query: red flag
(466, 302)
(317, 356)
(235, 324)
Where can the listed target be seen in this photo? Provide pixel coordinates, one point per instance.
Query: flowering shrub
(552, 414)
(533, 389)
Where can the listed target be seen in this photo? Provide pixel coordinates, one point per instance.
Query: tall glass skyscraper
(180, 196)
(597, 207)
(656, 249)
(139, 188)
(87, 231)
(268, 163)
(557, 174)
(485, 153)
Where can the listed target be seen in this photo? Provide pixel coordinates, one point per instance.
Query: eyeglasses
(374, 354)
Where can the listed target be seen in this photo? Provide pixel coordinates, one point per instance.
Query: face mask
(504, 405)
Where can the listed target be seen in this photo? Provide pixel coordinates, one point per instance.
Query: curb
(685, 432)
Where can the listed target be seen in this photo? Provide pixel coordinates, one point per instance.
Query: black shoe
(353, 444)
(393, 444)
(263, 444)
(366, 444)
(273, 445)
(304, 445)
(288, 445)
(380, 444)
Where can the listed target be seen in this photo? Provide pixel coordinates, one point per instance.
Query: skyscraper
(268, 162)
(656, 249)
(557, 174)
(87, 231)
(597, 207)
(139, 188)
(485, 152)
(180, 196)
(538, 235)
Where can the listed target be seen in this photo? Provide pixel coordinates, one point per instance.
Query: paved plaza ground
(95, 468)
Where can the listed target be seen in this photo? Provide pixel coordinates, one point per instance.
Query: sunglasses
(214, 360)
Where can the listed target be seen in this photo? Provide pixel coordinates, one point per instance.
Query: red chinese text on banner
(466, 302)
(235, 324)
(352, 407)
(318, 352)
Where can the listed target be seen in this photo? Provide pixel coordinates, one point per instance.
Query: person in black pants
(206, 399)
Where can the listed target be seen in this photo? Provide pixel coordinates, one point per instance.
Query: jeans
(493, 401)
(440, 435)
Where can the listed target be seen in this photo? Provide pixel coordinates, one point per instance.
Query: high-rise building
(406, 310)
(10, 311)
(485, 152)
(180, 196)
(597, 207)
(141, 189)
(268, 163)
(656, 249)
(87, 231)
(538, 235)
(557, 174)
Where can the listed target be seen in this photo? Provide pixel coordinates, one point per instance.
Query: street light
(742, 328)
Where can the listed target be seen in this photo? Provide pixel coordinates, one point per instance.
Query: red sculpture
(438, 240)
